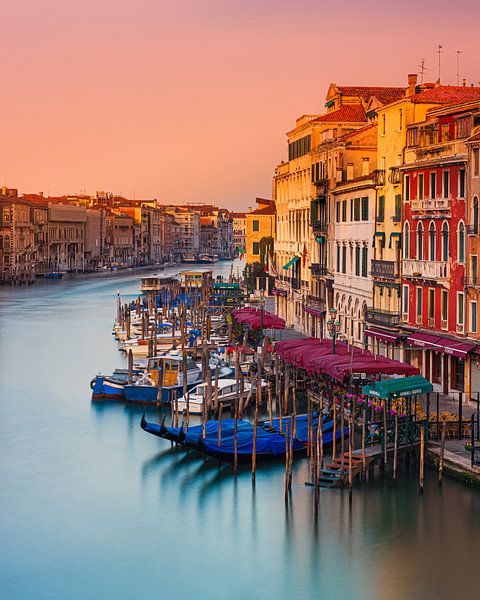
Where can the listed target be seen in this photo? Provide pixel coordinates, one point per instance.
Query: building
(260, 223)
(394, 119)
(120, 239)
(437, 272)
(321, 156)
(239, 220)
(95, 238)
(189, 238)
(66, 237)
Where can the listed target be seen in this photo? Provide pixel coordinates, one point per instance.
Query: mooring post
(422, 457)
(442, 454)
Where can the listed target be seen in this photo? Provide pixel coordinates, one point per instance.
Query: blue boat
(270, 444)
(111, 387)
(54, 275)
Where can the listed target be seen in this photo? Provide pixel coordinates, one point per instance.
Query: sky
(189, 101)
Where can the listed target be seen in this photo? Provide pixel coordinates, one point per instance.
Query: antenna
(458, 66)
(422, 68)
(439, 51)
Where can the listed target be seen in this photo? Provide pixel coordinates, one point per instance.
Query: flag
(265, 261)
(272, 270)
(304, 255)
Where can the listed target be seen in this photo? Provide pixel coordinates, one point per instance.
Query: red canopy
(254, 318)
(316, 357)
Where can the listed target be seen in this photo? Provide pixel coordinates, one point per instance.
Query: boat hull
(146, 394)
(105, 388)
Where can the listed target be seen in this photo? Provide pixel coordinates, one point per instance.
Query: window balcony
(472, 281)
(379, 175)
(319, 226)
(426, 269)
(378, 316)
(395, 176)
(385, 269)
(430, 204)
(316, 302)
(319, 270)
(472, 229)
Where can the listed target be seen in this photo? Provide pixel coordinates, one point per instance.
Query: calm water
(93, 507)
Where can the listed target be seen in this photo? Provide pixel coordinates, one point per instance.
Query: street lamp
(333, 326)
(262, 308)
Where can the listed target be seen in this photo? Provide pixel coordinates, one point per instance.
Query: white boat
(227, 392)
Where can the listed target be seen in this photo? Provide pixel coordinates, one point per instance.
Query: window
(406, 240)
(431, 303)
(461, 183)
(461, 242)
(344, 211)
(381, 209)
(256, 248)
(460, 308)
(444, 306)
(446, 184)
(433, 185)
(419, 301)
(397, 217)
(420, 186)
(383, 124)
(473, 316)
(431, 241)
(344, 259)
(405, 301)
(364, 261)
(406, 188)
(338, 258)
(400, 119)
(255, 225)
(474, 269)
(476, 161)
(338, 211)
(420, 242)
(364, 209)
(357, 261)
(445, 241)
(351, 209)
(356, 212)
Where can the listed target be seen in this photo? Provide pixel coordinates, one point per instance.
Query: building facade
(260, 223)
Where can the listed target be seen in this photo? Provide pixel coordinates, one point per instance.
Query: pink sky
(190, 100)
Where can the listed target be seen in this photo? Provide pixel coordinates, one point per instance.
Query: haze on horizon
(190, 101)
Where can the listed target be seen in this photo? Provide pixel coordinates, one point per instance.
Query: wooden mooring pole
(422, 459)
(442, 454)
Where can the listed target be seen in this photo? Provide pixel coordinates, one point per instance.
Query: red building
(434, 249)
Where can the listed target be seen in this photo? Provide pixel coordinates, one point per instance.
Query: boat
(207, 258)
(54, 275)
(227, 393)
(111, 387)
(190, 257)
(170, 365)
(269, 444)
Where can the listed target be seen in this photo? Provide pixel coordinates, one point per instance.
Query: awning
(291, 262)
(320, 239)
(383, 335)
(394, 235)
(313, 310)
(381, 236)
(457, 348)
(398, 388)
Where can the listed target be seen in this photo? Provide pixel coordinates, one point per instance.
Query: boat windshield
(199, 391)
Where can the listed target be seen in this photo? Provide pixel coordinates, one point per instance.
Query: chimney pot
(412, 82)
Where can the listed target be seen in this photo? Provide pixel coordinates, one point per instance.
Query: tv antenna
(458, 66)
(422, 68)
(439, 51)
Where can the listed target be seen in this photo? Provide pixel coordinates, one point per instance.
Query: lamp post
(333, 326)
(262, 308)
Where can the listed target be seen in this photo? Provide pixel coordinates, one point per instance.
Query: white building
(354, 203)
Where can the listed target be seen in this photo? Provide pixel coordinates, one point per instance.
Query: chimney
(464, 82)
(249, 209)
(412, 82)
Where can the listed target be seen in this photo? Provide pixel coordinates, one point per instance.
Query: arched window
(420, 242)
(475, 215)
(445, 240)
(432, 238)
(406, 240)
(461, 242)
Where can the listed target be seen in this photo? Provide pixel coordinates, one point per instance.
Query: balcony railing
(472, 229)
(379, 175)
(387, 269)
(318, 269)
(394, 176)
(431, 204)
(426, 269)
(472, 281)
(378, 316)
(316, 302)
(319, 226)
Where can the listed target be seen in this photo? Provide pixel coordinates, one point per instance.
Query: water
(93, 507)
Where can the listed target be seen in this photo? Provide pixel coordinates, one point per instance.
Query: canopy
(291, 262)
(398, 388)
(316, 357)
(256, 319)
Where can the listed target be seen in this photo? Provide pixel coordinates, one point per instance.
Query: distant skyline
(190, 101)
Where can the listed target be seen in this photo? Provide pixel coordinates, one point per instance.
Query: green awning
(398, 388)
(381, 237)
(320, 239)
(329, 103)
(399, 239)
(226, 286)
(291, 262)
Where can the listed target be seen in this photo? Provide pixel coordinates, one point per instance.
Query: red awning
(256, 319)
(383, 335)
(458, 348)
(312, 310)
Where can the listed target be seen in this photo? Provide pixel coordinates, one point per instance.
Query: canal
(93, 507)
